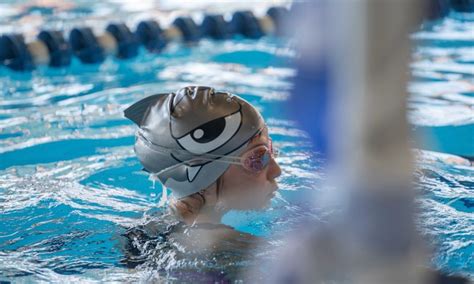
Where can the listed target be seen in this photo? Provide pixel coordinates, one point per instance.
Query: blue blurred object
(214, 26)
(85, 46)
(59, 50)
(151, 35)
(188, 28)
(311, 98)
(310, 104)
(14, 53)
(246, 24)
(127, 42)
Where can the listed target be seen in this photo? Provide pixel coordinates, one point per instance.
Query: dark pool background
(70, 184)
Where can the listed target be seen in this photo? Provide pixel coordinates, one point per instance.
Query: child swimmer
(213, 151)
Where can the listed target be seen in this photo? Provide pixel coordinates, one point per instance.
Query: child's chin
(267, 204)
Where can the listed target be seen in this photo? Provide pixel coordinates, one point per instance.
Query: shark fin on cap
(138, 110)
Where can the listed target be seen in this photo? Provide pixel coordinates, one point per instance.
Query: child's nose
(274, 169)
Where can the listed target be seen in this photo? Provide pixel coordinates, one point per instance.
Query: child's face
(243, 189)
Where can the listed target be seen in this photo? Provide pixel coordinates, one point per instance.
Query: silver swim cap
(184, 136)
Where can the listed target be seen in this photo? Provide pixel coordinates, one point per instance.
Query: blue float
(462, 6)
(151, 35)
(60, 53)
(82, 43)
(85, 46)
(437, 9)
(214, 26)
(278, 15)
(14, 53)
(246, 24)
(188, 28)
(127, 42)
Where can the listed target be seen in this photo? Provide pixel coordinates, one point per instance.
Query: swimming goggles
(254, 160)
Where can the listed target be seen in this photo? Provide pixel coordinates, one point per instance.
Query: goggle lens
(257, 159)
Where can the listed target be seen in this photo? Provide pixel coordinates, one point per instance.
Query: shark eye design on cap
(211, 135)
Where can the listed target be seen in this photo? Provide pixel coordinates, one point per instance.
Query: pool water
(442, 112)
(70, 185)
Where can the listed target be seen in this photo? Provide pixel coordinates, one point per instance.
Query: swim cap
(178, 129)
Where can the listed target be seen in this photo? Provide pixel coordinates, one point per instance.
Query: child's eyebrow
(265, 143)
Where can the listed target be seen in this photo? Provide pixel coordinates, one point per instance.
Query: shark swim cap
(183, 136)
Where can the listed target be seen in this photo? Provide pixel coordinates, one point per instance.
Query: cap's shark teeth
(192, 172)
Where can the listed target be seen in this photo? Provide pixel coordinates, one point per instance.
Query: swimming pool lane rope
(51, 47)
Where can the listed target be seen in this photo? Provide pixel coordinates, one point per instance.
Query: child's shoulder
(216, 237)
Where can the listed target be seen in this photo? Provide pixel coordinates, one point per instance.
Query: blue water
(70, 184)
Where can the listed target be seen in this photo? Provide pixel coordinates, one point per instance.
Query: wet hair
(188, 208)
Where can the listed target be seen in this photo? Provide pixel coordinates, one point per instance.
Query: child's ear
(210, 194)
